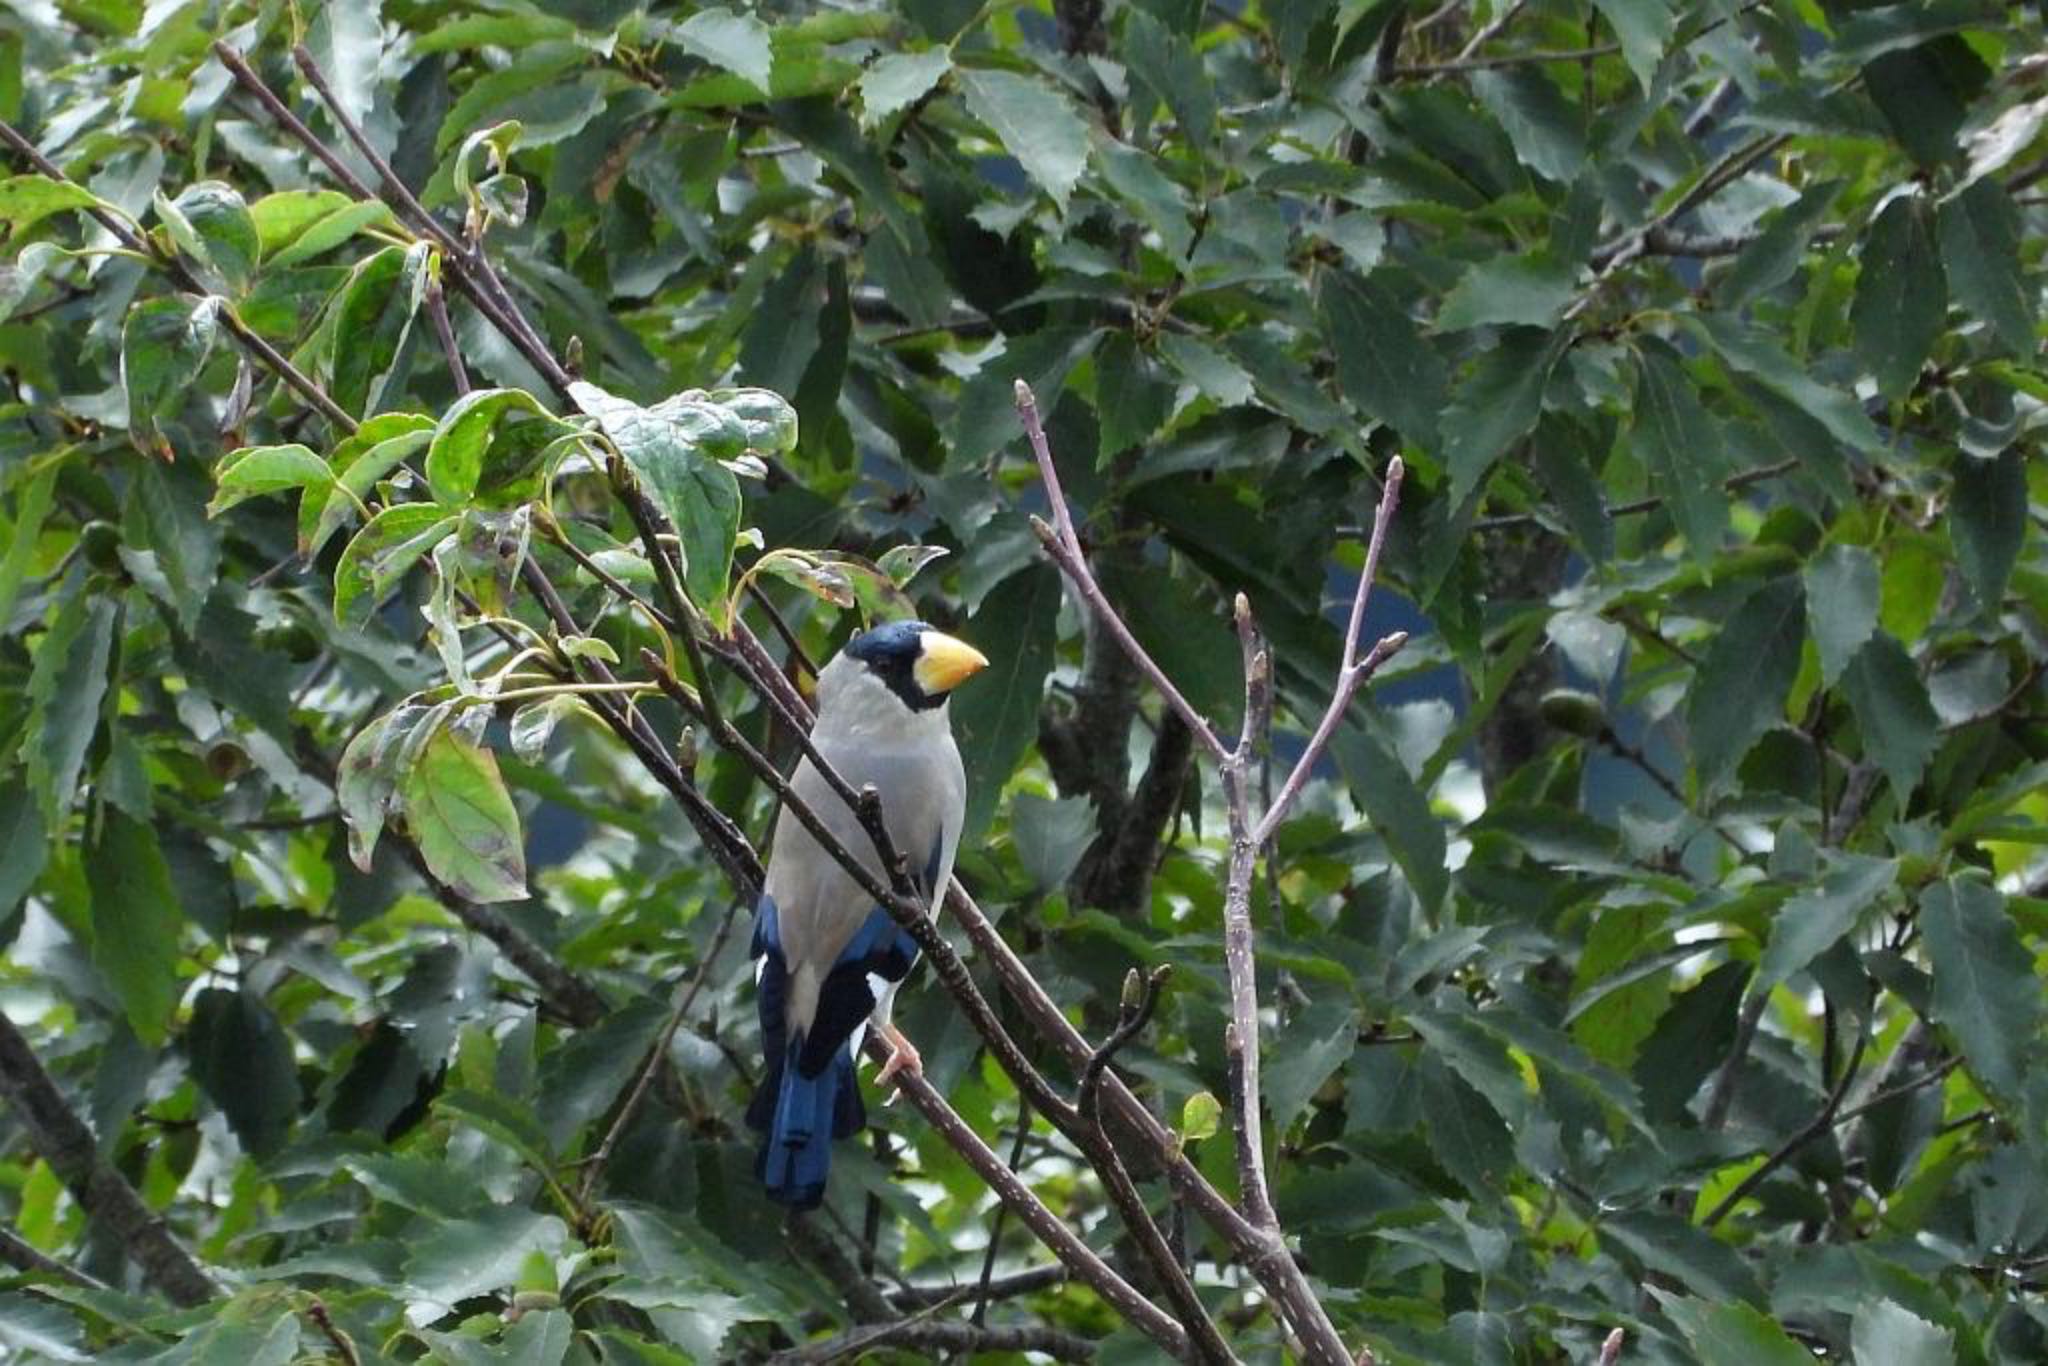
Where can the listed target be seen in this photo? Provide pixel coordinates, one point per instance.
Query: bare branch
(995, 1288)
(1820, 1124)
(937, 1337)
(23, 1255)
(1086, 1264)
(1063, 543)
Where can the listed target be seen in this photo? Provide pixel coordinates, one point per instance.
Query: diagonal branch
(63, 1140)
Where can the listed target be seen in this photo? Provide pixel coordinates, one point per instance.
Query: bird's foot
(903, 1057)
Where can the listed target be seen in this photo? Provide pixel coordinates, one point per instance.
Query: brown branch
(1734, 483)
(437, 310)
(995, 1288)
(1086, 1264)
(1063, 544)
(1814, 1128)
(63, 1140)
(324, 1321)
(25, 1256)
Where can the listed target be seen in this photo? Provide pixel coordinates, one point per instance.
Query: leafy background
(1659, 952)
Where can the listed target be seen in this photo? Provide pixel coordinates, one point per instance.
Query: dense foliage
(1657, 949)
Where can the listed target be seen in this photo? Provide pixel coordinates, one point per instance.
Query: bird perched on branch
(831, 958)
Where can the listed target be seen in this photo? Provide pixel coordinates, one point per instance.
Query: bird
(830, 957)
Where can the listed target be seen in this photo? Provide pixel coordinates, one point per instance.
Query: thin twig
(1807, 1133)
(437, 309)
(23, 1255)
(685, 998)
(1064, 545)
(324, 1321)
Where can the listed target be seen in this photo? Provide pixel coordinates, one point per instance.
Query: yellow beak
(944, 663)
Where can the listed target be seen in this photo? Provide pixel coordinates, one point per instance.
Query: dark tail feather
(808, 1113)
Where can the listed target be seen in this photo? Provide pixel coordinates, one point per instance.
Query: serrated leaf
(256, 470)
(1544, 129)
(737, 42)
(1772, 258)
(24, 847)
(1384, 363)
(1681, 443)
(461, 1258)
(1980, 234)
(1525, 289)
(135, 922)
(1897, 721)
(1644, 27)
(1733, 1334)
(1166, 63)
(66, 686)
(1883, 1333)
(1811, 922)
(667, 447)
(1987, 522)
(1985, 990)
(1036, 124)
(1757, 355)
(900, 80)
(1842, 591)
(1208, 369)
(45, 1331)
(243, 1061)
(391, 543)
(1901, 295)
(1739, 691)
(463, 820)
(1497, 403)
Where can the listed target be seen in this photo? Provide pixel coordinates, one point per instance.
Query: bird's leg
(903, 1055)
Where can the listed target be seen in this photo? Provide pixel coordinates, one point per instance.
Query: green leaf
(1214, 373)
(996, 718)
(366, 781)
(1644, 27)
(1739, 691)
(211, 224)
(256, 470)
(1546, 131)
(902, 562)
(45, 1331)
(165, 343)
(1166, 64)
(1987, 522)
(1755, 354)
(667, 447)
(1901, 295)
(26, 200)
(900, 80)
(24, 848)
(135, 921)
(1980, 248)
(463, 820)
(30, 511)
(1497, 403)
(1899, 727)
(243, 1061)
(1772, 258)
(1811, 922)
(391, 543)
(1733, 1334)
(1398, 809)
(1985, 990)
(330, 231)
(1384, 363)
(65, 689)
(1036, 124)
(1842, 587)
(1200, 1117)
(463, 1258)
(373, 322)
(1050, 836)
(1526, 289)
(1685, 1254)
(463, 437)
(737, 42)
(1314, 1045)
(1681, 443)
(280, 218)
(1885, 1334)
(369, 453)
